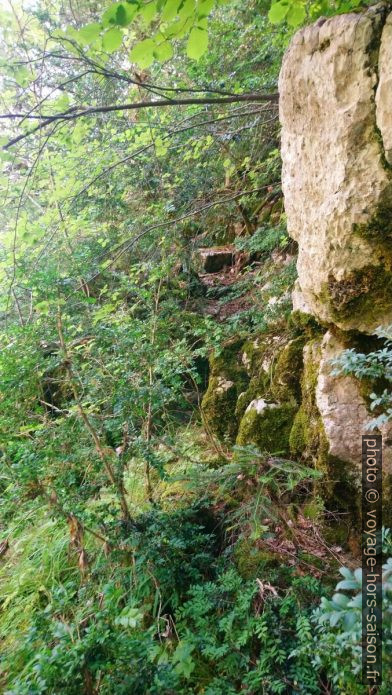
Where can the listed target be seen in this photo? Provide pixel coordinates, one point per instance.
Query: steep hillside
(192, 344)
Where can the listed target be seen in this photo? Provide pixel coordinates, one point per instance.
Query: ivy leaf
(296, 15)
(278, 12)
(112, 40)
(197, 43)
(143, 53)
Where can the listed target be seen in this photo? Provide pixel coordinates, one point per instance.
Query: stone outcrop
(343, 408)
(336, 114)
(336, 179)
(384, 90)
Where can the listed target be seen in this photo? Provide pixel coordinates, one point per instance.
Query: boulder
(343, 409)
(336, 180)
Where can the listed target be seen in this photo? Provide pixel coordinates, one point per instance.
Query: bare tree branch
(78, 112)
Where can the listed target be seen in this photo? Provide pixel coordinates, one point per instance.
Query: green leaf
(143, 53)
(170, 9)
(197, 43)
(356, 602)
(112, 40)
(340, 600)
(119, 14)
(347, 584)
(43, 307)
(23, 76)
(186, 10)
(148, 12)
(204, 8)
(164, 51)
(89, 33)
(296, 15)
(278, 12)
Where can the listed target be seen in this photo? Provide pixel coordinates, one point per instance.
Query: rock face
(384, 89)
(336, 179)
(343, 409)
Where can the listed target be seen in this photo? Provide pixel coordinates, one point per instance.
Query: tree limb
(78, 112)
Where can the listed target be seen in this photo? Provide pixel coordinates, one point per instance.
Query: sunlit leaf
(89, 33)
(169, 11)
(143, 53)
(164, 51)
(278, 12)
(197, 43)
(112, 40)
(296, 15)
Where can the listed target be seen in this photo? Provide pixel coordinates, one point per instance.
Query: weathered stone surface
(215, 258)
(337, 187)
(384, 89)
(343, 409)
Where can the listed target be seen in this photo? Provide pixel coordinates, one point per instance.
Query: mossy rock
(338, 486)
(218, 407)
(300, 322)
(253, 354)
(367, 293)
(268, 428)
(259, 387)
(307, 435)
(228, 379)
(286, 384)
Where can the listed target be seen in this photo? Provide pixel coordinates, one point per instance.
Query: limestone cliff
(336, 116)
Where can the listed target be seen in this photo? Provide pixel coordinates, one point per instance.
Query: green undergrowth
(203, 592)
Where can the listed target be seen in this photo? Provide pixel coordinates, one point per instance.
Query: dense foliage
(138, 553)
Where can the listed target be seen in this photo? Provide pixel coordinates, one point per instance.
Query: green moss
(286, 385)
(259, 387)
(338, 487)
(301, 322)
(268, 430)
(367, 293)
(254, 352)
(228, 361)
(252, 562)
(228, 378)
(218, 407)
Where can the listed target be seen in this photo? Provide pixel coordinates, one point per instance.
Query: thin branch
(73, 113)
(100, 449)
